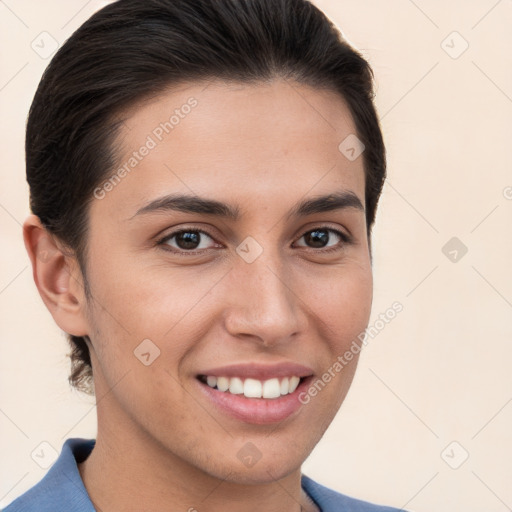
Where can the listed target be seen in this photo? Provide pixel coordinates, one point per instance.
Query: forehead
(226, 139)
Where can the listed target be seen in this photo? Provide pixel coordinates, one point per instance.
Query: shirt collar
(62, 488)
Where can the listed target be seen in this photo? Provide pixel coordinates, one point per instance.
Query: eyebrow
(195, 204)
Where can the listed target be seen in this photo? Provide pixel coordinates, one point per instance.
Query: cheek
(341, 302)
(175, 306)
(133, 304)
(146, 299)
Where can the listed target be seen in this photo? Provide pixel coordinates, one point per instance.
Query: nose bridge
(263, 303)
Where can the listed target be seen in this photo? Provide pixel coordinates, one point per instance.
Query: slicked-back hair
(132, 50)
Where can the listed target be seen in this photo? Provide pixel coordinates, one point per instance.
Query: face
(239, 287)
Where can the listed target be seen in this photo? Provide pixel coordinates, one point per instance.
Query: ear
(57, 277)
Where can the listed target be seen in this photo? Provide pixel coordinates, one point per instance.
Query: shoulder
(331, 501)
(61, 489)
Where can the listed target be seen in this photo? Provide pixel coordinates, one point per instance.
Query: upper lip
(260, 371)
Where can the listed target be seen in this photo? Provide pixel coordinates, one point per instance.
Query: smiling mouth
(272, 398)
(268, 389)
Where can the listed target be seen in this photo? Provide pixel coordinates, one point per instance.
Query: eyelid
(345, 237)
(318, 225)
(162, 240)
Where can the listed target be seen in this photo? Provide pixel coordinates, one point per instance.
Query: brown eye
(320, 238)
(188, 240)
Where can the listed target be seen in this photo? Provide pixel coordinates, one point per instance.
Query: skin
(263, 148)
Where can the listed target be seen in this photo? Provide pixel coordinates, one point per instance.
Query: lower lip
(259, 411)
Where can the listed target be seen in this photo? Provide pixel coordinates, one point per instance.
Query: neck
(124, 465)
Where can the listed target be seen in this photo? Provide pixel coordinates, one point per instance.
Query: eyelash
(346, 240)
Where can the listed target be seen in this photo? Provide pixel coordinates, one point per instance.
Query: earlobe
(57, 277)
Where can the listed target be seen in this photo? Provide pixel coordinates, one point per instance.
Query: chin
(265, 470)
(260, 473)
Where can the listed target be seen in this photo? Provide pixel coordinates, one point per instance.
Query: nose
(263, 303)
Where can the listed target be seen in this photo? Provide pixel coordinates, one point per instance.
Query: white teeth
(222, 383)
(271, 389)
(294, 382)
(253, 388)
(236, 386)
(284, 390)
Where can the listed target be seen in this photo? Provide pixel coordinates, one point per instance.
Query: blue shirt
(62, 488)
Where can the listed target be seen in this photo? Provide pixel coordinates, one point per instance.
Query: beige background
(440, 371)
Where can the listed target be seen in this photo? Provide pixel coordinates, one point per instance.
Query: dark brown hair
(134, 49)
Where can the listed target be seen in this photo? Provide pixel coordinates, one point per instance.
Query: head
(249, 108)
